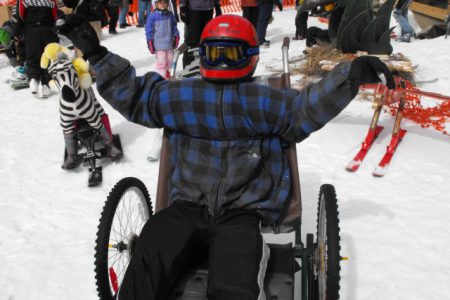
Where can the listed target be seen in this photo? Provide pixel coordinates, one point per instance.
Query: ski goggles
(229, 53)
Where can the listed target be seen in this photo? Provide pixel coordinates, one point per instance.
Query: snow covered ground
(395, 229)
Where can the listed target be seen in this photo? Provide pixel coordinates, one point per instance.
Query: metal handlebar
(286, 77)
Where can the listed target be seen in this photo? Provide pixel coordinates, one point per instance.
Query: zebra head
(66, 78)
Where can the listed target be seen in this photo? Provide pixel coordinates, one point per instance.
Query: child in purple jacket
(162, 36)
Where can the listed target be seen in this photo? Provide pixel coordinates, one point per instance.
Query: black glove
(365, 69)
(184, 14)
(83, 37)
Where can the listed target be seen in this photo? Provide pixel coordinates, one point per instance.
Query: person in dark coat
(229, 171)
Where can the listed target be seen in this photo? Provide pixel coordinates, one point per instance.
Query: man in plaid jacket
(230, 173)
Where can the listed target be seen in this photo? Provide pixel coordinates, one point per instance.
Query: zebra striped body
(74, 102)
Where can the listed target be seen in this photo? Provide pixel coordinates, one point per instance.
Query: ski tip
(353, 165)
(380, 171)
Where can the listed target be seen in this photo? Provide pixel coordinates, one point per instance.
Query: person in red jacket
(38, 17)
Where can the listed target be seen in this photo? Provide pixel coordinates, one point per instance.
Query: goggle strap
(253, 51)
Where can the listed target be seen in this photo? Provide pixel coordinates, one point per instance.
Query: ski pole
(178, 52)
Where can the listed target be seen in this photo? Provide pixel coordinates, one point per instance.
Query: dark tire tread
(333, 240)
(104, 229)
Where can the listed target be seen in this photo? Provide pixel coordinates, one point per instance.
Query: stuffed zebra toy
(76, 101)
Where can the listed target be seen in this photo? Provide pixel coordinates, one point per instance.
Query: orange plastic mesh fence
(435, 117)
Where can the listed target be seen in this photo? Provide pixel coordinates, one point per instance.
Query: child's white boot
(44, 91)
(34, 85)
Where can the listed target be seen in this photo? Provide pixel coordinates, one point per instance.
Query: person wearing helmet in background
(230, 174)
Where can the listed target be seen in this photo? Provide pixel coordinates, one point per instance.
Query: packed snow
(394, 229)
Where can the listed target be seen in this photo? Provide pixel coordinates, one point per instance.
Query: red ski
(397, 135)
(372, 134)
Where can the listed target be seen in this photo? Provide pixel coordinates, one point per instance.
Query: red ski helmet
(229, 49)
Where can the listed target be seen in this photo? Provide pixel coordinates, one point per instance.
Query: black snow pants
(177, 238)
(35, 40)
(197, 21)
(251, 14)
(301, 19)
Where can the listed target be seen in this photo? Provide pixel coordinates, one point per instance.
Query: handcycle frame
(89, 137)
(319, 260)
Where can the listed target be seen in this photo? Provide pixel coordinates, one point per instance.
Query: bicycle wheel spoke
(126, 210)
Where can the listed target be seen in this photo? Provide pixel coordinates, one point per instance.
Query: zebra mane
(55, 53)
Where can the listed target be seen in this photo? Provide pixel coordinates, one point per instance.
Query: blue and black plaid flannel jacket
(227, 140)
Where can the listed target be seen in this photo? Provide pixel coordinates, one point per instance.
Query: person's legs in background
(251, 14)
(160, 62)
(113, 12)
(264, 14)
(174, 10)
(47, 36)
(254, 16)
(197, 21)
(401, 16)
(169, 61)
(301, 25)
(32, 58)
(123, 16)
(36, 39)
(144, 9)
